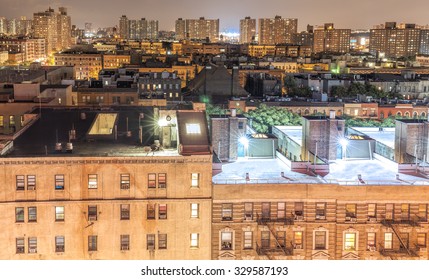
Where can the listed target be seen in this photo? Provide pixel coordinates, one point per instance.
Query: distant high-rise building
(247, 30)
(88, 27)
(55, 28)
(277, 30)
(141, 29)
(25, 26)
(330, 39)
(180, 29)
(12, 26)
(424, 41)
(3, 25)
(198, 29)
(394, 41)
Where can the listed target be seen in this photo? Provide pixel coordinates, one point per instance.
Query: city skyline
(366, 13)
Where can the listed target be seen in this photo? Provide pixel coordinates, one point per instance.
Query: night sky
(344, 14)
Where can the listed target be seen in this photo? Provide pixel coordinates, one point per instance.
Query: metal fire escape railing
(269, 222)
(404, 248)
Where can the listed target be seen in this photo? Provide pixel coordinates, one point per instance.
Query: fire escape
(280, 247)
(404, 248)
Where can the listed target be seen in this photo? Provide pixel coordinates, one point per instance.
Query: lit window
(162, 241)
(350, 241)
(1, 121)
(248, 240)
(19, 214)
(162, 211)
(32, 214)
(32, 245)
(92, 181)
(125, 242)
(388, 240)
(125, 181)
(150, 239)
(92, 243)
(226, 240)
(59, 213)
(193, 128)
(59, 182)
(59, 244)
(152, 180)
(297, 240)
(194, 240)
(125, 211)
(194, 210)
(20, 246)
(195, 180)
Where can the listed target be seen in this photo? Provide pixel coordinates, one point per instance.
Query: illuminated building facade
(247, 30)
(277, 30)
(329, 39)
(197, 29)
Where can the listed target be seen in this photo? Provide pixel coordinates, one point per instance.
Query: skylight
(193, 128)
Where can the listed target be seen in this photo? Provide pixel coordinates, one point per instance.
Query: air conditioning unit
(162, 186)
(423, 249)
(353, 220)
(320, 217)
(348, 219)
(248, 217)
(151, 247)
(372, 219)
(298, 247)
(32, 250)
(92, 218)
(125, 247)
(299, 218)
(31, 188)
(372, 248)
(125, 186)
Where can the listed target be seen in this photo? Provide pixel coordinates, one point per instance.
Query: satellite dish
(168, 118)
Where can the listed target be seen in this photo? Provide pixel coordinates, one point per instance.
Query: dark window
(32, 214)
(162, 241)
(20, 246)
(59, 244)
(125, 242)
(226, 240)
(92, 243)
(125, 181)
(150, 212)
(150, 239)
(152, 180)
(92, 213)
(125, 211)
(162, 211)
(227, 212)
(19, 214)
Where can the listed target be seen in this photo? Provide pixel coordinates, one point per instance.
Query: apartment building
(330, 39)
(247, 30)
(197, 29)
(276, 30)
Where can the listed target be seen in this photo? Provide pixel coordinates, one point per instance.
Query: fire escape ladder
(273, 233)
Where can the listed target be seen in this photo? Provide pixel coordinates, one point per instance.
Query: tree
(264, 117)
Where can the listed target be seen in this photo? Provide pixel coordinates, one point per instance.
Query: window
(248, 211)
(20, 246)
(92, 181)
(281, 211)
(195, 180)
(281, 239)
(1, 121)
(320, 211)
(11, 120)
(350, 241)
(299, 210)
(388, 240)
(240, 125)
(405, 236)
(151, 180)
(150, 240)
(32, 245)
(31, 182)
(59, 213)
(125, 211)
(266, 210)
(19, 214)
(226, 240)
(405, 212)
(422, 216)
(162, 211)
(59, 244)
(421, 240)
(125, 181)
(162, 241)
(389, 211)
(125, 242)
(32, 214)
(194, 240)
(227, 212)
(372, 212)
(162, 180)
(151, 212)
(320, 240)
(59, 182)
(92, 243)
(20, 182)
(248, 240)
(92, 213)
(193, 128)
(265, 239)
(371, 242)
(351, 212)
(194, 210)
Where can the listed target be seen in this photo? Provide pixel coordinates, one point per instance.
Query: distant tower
(247, 30)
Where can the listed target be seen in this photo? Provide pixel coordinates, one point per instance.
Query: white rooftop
(386, 136)
(294, 132)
